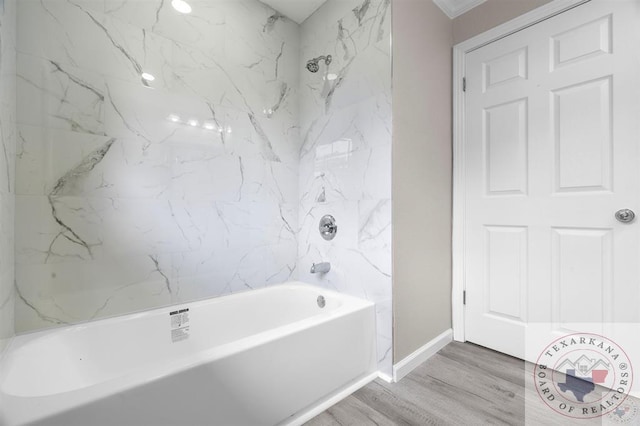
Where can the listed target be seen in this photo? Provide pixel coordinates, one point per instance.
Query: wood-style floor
(463, 384)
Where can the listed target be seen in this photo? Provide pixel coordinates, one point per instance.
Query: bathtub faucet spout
(320, 268)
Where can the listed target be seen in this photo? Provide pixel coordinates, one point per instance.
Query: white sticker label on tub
(179, 325)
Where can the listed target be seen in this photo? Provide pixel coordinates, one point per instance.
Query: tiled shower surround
(133, 194)
(121, 208)
(345, 154)
(7, 166)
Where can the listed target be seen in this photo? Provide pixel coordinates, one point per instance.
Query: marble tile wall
(133, 194)
(123, 205)
(7, 166)
(345, 156)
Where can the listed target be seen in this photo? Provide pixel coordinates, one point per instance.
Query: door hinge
(464, 84)
(464, 297)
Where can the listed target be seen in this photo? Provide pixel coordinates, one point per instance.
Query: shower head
(313, 65)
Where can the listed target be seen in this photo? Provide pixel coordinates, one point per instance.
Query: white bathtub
(264, 357)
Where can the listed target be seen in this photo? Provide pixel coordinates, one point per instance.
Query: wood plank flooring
(463, 384)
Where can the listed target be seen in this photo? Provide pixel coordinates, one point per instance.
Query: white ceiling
(296, 10)
(299, 10)
(454, 8)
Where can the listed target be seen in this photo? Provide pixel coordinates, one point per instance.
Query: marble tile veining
(209, 177)
(136, 193)
(345, 155)
(7, 167)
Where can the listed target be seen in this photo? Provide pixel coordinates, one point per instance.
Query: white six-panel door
(552, 152)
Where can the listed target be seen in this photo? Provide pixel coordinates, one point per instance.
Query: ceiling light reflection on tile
(181, 6)
(334, 155)
(147, 77)
(193, 122)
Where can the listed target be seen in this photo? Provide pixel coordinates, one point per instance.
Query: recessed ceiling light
(193, 123)
(331, 77)
(174, 118)
(146, 76)
(181, 6)
(209, 126)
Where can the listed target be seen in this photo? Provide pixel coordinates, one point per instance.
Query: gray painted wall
(422, 40)
(422, 121)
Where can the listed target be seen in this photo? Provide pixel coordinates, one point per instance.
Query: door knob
(625, 215)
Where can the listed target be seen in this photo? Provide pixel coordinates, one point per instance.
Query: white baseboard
(331, 400)
(407, 365)
(387, 378)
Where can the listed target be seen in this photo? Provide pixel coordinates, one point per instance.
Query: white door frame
(459, 139)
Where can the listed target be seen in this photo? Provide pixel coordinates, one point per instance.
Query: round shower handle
(625, 215)
(328, 228)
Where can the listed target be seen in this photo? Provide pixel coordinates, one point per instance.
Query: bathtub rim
(22, 335)
(350, 304)
(159, 371)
